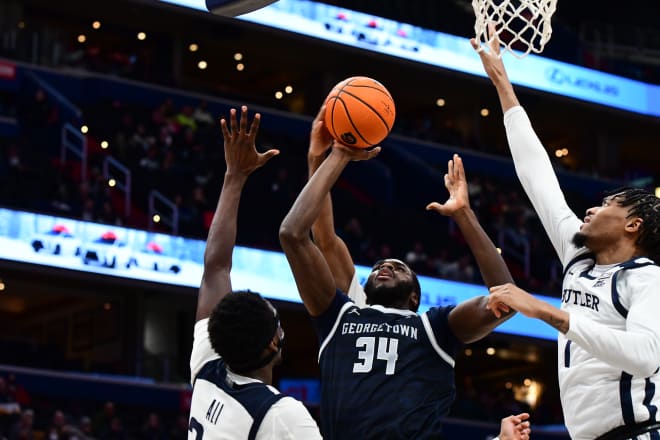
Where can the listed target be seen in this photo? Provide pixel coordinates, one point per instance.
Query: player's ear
(634, 224)
(414, 300)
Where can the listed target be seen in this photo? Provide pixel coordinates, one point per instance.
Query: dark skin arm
(311, 271)
(332, 247)
(242, 159)
(471, 320)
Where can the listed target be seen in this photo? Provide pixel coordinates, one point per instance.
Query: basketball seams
(375, 111)
(340, 120)
(350, 119)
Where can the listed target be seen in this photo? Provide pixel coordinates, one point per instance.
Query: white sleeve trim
(343, 309)
(202, 352)
(434, 343)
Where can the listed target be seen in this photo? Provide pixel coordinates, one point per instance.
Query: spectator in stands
(116, 431)
(152, 429)
(9, 408)
(202, 116)
(101, 421)
(180, 428)
(24, 428)
(59, 429)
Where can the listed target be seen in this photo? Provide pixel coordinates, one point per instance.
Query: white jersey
(608, 360)
(356, 292)
(229, 406)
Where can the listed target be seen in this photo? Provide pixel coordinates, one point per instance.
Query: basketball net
(523, 26)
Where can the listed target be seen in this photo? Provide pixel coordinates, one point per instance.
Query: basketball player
(609, 331)
(386, 372)
(238, 337)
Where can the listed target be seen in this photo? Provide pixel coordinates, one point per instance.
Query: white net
(523, 26)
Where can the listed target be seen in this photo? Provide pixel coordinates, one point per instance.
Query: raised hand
(491, 58)
(354, 154)
(510, 296)
(320, 139)
(241, 152)
(456, 184)
(515, 427)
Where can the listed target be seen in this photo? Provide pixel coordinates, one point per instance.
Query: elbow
(649, 363)
(217, 260)
(290, 235)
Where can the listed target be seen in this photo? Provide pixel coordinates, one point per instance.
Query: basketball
(359, 112)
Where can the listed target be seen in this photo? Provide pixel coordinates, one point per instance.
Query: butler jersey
(229, 406)
(385, 373)
(596, 295)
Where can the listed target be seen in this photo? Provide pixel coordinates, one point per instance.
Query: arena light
(96, 24)
(484, 112)
(193, 47)
(288, 90)
(2, 286)
(279, 95)
(202, 65)
(104, 144)
(440, 102)
(82, 38)
(240, 67)
(141, 36)
(238, 56)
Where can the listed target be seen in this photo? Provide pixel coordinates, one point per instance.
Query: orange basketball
(359, 112)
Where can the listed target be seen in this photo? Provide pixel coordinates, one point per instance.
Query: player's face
(390, 283)
(604, 225)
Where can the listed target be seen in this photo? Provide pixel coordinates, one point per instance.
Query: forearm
(491, 264)
(222, 233)
(506, 94)
(635, 352)
(307, 206)
(323, 228)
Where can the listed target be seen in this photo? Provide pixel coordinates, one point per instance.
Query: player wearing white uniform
(238, 337)
(609, 331)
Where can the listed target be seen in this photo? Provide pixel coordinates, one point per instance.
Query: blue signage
(403, 40)
(161, 258)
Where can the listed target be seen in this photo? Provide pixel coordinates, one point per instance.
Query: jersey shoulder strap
(261, 413)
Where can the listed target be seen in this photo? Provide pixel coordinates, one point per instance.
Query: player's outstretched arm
(530, 158)
(635, 349)
(314, 279)
(515, 427)
(470, 320)
(332, 247)
(242, 159)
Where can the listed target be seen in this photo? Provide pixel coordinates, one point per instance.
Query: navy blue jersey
(385, 373)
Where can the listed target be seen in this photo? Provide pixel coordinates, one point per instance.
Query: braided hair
(240, 328)
(645, 205)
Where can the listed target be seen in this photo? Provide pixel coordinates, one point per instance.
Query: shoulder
(289, 419)
(641, 273)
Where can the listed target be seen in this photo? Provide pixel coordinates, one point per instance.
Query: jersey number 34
(386, 350)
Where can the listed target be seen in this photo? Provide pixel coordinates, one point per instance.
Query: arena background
(148, 80)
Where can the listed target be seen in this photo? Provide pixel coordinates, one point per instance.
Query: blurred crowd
(24, 418)
(379, 206)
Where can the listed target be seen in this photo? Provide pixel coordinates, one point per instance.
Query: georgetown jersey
(603, 295)
(229, 406)
(385, 373)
